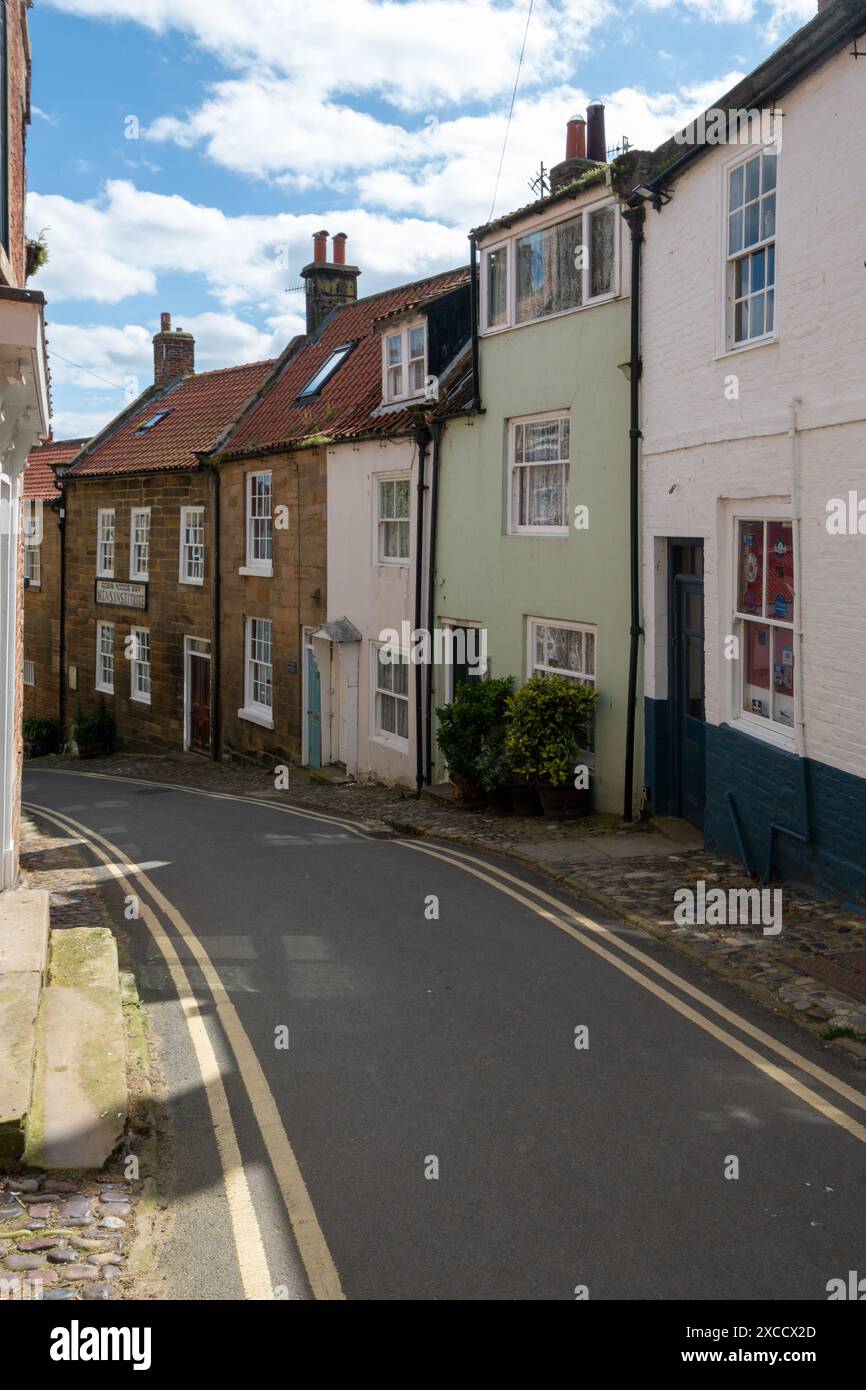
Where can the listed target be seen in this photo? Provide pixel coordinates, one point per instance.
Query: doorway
(686, 628)
(312, 732)
(197, 695)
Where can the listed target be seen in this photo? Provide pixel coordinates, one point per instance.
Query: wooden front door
(199, 703)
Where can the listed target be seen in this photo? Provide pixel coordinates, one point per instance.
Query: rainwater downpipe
(803, 837)
(437, 428)
(634, 215)
(422, 440)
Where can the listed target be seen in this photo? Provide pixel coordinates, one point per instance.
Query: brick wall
(42, 624)
(286, 598)
(174, 610)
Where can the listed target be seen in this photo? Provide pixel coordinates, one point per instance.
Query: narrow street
(378, 1084)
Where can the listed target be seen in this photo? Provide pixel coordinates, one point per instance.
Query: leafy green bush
(97, 726)
(472, 727)
(549, 726)
(44, 732)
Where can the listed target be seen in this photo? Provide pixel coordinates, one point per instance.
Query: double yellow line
(321, 1272)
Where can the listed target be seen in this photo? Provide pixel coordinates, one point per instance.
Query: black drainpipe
(438, 428)
(422, 439)
(473, 311)
(634, 216)
(216, 741)
(61, 693)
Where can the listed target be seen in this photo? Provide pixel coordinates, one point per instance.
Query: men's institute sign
(121, 593)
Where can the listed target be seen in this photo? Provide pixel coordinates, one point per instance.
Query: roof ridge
(410, 285)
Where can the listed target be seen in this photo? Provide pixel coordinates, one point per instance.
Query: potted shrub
(93, 732)
(473, 723)
(494, 773)
(41, 736)
(549, 727)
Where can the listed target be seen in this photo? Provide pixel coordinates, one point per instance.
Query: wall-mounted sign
(121, 593)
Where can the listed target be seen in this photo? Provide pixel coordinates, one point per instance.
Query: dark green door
(687, 673)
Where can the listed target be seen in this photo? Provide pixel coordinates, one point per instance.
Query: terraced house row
(614, 445)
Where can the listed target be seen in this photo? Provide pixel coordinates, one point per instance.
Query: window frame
(769, 729)
(140, 576)
(728, 259)
(185, 548)
(404, 332)
(322, 375)
(100, 684)
(516, 234)
(514, 526)
(136, 693)
(533, 668)
(33, 564)
(253, 710)
(28, 666)
(101, 571)
(392, 561)
(377, 733)
(253, 565)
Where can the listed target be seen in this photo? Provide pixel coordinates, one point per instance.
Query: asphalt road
(418, 1042)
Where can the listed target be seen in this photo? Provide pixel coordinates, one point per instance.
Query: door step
(24, 916)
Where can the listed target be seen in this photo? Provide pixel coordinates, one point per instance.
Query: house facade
(24, 407)
(140, 568)
(533, 533)
(331, 446)
(43, 587)
(754, 469)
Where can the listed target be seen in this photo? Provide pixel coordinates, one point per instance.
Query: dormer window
(406, 362)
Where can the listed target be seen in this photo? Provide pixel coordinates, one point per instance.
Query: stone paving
(67, 1237)
(633, 871)
(64, 1238)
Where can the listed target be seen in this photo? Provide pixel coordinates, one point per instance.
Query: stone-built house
(141, 562)
(24, 406)
(754, 466)
(43, 589)
(319, 486)
(533, 546)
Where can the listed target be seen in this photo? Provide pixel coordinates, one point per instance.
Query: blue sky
(255, 124)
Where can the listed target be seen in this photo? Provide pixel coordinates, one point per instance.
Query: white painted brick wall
(703, 454)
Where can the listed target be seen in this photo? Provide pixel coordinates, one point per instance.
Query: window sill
(776, 737)
(394, 564)
(100, 574)
(746, 347)
(392, 741)
(107, 690)
(33, 583)
(546, 318)
(139, 699)
(192, 583)
(261, 571)
(254, 716)
(559, 533)
(138, 579)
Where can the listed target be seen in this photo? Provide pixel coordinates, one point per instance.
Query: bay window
(549, 270)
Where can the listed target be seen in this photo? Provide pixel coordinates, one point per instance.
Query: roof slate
(202, 407)
(40, 480)
(348, 404)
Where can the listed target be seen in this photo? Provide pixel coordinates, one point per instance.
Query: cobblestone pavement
(65, 1238)
(70, 1237)
(814, 970)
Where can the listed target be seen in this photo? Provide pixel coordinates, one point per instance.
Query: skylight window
(326, 371)
(152, 422)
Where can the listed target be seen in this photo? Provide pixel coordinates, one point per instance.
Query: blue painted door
(314, 712)
(688, 696)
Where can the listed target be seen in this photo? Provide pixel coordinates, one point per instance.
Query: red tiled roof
(40, 480)
(202, 407)
(347, 404)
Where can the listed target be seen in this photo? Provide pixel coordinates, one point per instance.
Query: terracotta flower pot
(468, 792)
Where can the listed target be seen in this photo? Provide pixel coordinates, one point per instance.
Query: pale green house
(533, 539)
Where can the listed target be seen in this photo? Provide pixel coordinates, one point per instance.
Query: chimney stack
(330, 284)
(173, 353)
(579, 158)
(596, 143)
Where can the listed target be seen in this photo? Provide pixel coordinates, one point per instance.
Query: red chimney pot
(320, 247)
(575, 140)
(165, 323)
(340, 248)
